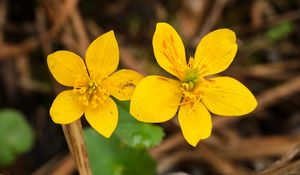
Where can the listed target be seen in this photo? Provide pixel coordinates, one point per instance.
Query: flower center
(191, 78)
(191, 88)
(92, 94)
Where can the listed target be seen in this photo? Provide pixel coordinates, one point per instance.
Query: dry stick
(65, 166)
(74, 136)
(261, 11)
(3, 7)
(289, 169)
(80, 32)
(272, 96)
(222, 164)
(130, 61)
(8, 51)
(219, 157)
(65, 12)
(277, 19)
(243, 150)
(267, 70)
(172, 142)
(59, 165)
(11, 51)
(211, 20)
(284, 160)
(190, 16)
(73, 132)
(202, 153)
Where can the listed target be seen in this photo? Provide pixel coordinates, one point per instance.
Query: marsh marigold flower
(195, 93)
(93, 82)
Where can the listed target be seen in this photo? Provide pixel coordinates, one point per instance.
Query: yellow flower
(93, 82)
(157, 99)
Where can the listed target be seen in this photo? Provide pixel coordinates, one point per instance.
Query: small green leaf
(16, 136)
(134, 133)
(112, 157)
(280, 31)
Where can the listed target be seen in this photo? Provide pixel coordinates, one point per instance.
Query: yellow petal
(102, 55)
(67, 68)
(228, 97)
(215, 51)
(195, 122)
(66, 108)
(103, 118)
(169, 50)
(122, 83)
(155, 99)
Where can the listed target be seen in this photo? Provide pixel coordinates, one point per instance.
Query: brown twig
(272, 96)
(74, 136)
(57, 166)
(258, 147)
(284, 160)
(128, 60)
(289, 16)
(3, 8)
(80, 32)
(202, 153)
(289, 169)
(191, 16)
(170, 143)
(211, 20)
(269, 70)
(11, 51)
(66, 10)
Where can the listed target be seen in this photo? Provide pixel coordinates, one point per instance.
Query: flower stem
(74, 137)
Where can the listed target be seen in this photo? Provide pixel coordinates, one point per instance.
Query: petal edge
(103, 118)
(195, 122)
(66, 108)
(226, 96)
(122, 83)
(102, 55)
(67, 68)
(216, 51)
(169, 50)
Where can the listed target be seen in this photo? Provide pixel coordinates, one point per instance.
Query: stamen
(91, 94)
(191, 62)
(182, 103)
(194, 105)
(191, 93)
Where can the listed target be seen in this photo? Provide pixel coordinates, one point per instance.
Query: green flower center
(190, 88)
(190, 79)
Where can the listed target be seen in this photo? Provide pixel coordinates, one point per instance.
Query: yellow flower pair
(155, 98)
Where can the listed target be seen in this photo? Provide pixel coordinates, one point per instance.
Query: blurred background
(268, 63)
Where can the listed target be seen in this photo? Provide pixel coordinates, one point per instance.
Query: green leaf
(16, 136)
(134, 133)
(112, 157)
(280, 31)
(7, 156)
